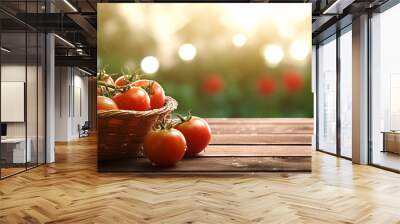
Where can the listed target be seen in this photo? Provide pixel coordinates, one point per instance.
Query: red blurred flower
(213, 84)
(266, 86)
(292, 81)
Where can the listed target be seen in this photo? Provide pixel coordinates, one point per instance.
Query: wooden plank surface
(260, 121)
(256, 150)
(256, 131)
(261, 129)
(263, 139)
(214, 164)
(240, 145)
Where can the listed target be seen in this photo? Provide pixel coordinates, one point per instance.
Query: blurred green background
(219, 60)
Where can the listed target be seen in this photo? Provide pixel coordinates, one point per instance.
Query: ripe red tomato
(156, 92)
(123, 80)
(213, 85)
(105, 103)
(292, 81)
(266, 86)
(133, 99)
(197, 134)
(164, 147)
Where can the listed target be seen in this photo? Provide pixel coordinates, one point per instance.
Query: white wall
(12, 73)
(62, 81)
(71, 94)
(33, 127)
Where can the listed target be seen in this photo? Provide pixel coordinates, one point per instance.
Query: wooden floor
(386, 159)
(238, 145)
(72, 191)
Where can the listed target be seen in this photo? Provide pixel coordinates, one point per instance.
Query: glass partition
(31, 97)
(327, 95)
(346, 93)
(22, 92)
(14, 153)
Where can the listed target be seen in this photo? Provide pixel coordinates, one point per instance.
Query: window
(327, 96)
(346, 93)
(385, 89)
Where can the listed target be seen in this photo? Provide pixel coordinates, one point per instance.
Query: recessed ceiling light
(70, 5)
(84, 71)
(5, 50)
(65, 41)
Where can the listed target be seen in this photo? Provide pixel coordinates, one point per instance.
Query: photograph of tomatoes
(241, 60)
(163, 69)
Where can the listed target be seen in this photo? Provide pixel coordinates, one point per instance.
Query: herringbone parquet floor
(71, 191)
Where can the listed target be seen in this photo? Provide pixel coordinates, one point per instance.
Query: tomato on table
(105, 103)
(134, 98)
(121, 82)
(154, 89)
(164, 147)
(197, 134)
(124, 80)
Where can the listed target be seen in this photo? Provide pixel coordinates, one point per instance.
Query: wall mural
(159, 64)
(219, 60)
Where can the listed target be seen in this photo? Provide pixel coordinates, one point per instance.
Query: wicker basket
(121, 132)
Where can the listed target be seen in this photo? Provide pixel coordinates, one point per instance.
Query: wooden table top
(242, 145)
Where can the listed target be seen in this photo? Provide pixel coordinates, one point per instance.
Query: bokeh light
(239, 40)
(187, 52)
(273, 54)
(299, 50)
(230, 63)
(150, 64)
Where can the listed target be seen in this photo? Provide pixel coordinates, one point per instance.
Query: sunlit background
(219, 60)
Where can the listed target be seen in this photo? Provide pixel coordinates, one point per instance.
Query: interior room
(22, 100)
(384, 89)
(227, 111)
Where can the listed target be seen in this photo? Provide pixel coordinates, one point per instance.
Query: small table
(13, 150)
(391, 141)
